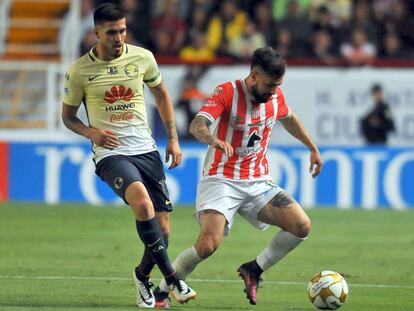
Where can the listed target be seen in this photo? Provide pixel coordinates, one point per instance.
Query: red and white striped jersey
(246, 125)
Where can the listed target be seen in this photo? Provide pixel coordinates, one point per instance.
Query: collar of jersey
(93, 55)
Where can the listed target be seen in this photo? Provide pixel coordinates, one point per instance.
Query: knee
(143, 208)
(206, 247)
(302, 228)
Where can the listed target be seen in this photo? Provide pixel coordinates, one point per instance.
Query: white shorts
(246, 197)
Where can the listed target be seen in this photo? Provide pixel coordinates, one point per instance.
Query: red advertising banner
(4, 171)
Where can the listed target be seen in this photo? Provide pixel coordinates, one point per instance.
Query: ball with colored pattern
(328, 290)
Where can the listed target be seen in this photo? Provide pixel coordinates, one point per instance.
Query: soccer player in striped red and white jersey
(236, 122)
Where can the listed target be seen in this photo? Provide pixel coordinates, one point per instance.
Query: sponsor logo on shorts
(118, 182)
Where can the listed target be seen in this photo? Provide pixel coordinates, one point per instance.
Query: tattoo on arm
(171, 129)
(282, 200)
(199, 129)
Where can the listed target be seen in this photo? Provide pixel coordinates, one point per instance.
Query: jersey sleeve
(73, 88)
(216, 103)
(283, 109)
(152, 76)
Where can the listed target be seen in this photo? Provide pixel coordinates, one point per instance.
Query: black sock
(254, 267)
(151, 235)
(147, 262)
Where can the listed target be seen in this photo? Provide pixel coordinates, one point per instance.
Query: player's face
(111, 37)
(264, 86)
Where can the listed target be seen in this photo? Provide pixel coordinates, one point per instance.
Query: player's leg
(217, 203)
(212, 225)
(122, 176)
(151, 235)
(152, 171)
(147, 263)
(282, 211)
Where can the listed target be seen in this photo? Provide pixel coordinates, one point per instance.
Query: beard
(260, 98)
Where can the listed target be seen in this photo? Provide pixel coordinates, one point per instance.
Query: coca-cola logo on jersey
(122, 117)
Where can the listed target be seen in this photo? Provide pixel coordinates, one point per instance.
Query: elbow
(65, 120)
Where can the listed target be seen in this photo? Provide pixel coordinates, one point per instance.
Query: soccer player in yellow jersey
(109, 82)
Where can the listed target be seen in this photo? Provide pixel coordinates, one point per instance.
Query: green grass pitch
(77, 257)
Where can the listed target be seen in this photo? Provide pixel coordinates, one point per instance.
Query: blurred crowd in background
(326, 31)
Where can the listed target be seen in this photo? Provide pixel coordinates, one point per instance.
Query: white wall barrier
(329, 101)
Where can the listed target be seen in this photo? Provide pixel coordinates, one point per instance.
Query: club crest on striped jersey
(255, 113)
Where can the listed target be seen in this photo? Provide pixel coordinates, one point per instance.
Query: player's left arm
(166, 110)
(295, 127)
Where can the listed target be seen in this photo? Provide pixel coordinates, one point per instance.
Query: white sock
(280, 245)
(184, 264)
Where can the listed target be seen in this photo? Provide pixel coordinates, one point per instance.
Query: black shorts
(119, 171)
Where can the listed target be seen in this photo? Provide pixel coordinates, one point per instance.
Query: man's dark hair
(376, 88)
(269, 61)
(107, 12)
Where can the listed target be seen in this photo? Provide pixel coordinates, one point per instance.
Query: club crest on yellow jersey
(131, 70)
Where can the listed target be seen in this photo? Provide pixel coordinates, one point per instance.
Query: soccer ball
(328, 290)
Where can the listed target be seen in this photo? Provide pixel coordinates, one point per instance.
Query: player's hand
(174, 151)
(223, 146)
(315, 163)
(104, 138)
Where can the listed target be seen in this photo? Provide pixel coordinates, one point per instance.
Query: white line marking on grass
(97, 278)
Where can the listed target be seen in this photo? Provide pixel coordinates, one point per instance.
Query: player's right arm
(214, 107)
(74, 92)
(199, 129)
(102, 138)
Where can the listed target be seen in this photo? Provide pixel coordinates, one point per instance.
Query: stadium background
(328, 87)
